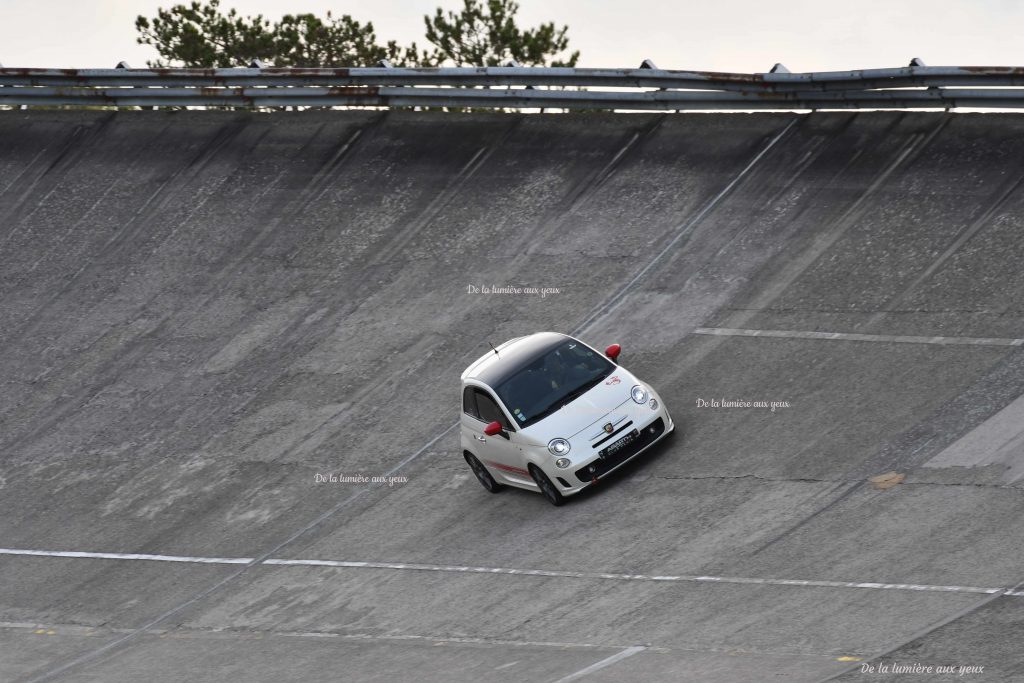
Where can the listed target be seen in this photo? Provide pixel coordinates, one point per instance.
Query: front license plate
(620, 444)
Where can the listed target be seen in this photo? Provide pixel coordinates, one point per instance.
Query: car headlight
(639, 394)
(563, 463)
(653, 404)
(558, 447)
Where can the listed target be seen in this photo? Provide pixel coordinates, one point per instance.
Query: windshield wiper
(572, 396)
(544, 413)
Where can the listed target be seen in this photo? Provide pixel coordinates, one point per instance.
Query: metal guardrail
(514, 87)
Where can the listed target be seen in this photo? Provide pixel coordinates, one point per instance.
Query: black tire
(553, 495)
(482, 475)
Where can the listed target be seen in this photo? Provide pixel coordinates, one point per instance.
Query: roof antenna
(493, 349)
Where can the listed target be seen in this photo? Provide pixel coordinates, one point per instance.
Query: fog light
(653, 404)
(592, 468)
(563, 463)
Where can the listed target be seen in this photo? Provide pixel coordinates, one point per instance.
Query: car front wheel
(553, 495)
(482, 475)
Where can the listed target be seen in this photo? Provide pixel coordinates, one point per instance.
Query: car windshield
(552, 380)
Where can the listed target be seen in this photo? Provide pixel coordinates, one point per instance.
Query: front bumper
(605, 463)
(578, 476)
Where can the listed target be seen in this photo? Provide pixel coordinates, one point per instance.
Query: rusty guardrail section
(514, 87)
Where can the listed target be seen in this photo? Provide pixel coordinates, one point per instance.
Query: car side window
(469, 403)
(489, 410)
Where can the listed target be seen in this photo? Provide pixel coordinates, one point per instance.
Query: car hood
(586, 410)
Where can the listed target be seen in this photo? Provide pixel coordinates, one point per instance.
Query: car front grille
(615, 435)
(608, 459)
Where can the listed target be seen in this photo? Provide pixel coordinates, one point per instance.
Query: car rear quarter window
(469, 402)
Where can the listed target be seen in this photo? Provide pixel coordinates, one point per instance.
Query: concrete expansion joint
(965, 484)
(184, 631)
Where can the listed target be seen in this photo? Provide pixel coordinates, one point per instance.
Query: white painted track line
(510, 571)
(617, 657)
(849, 336)
(127, 556)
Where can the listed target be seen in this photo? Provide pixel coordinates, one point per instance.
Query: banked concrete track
(200, 312)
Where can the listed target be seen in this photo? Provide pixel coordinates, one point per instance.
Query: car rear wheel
(482, 475)
(553, 495)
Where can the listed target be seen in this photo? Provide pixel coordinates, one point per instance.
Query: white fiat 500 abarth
(548, 413)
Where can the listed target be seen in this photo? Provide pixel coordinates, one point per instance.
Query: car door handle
(481, 439)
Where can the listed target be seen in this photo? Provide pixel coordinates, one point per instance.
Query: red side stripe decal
(508, 468)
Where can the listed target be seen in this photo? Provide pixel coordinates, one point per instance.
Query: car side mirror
(613, 351)
(493, 429)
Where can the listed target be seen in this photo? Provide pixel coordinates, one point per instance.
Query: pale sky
(716, 35)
